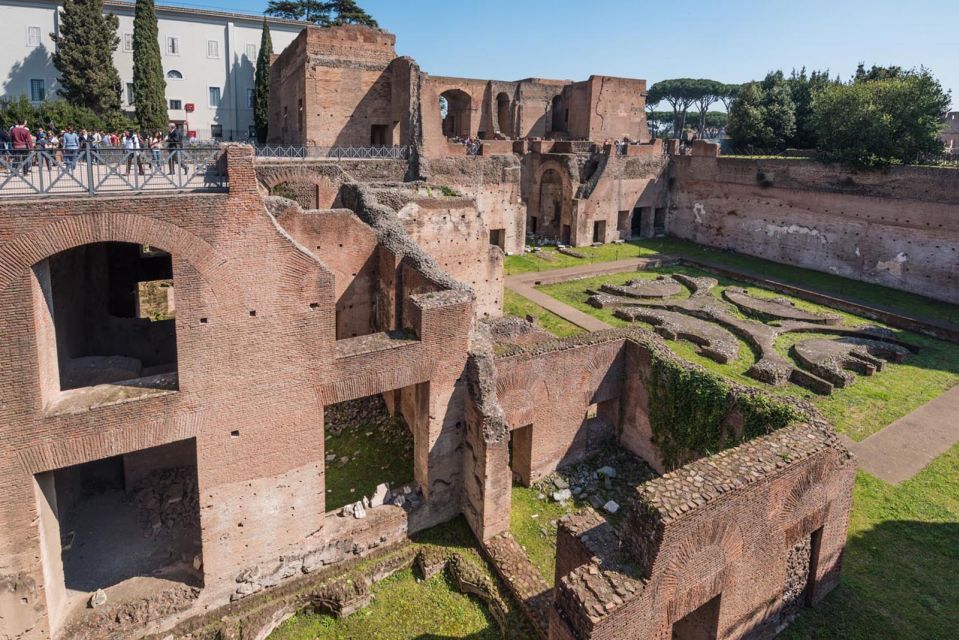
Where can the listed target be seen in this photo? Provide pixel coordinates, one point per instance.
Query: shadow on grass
(899, 581)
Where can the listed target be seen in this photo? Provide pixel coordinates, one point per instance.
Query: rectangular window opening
(38, 90)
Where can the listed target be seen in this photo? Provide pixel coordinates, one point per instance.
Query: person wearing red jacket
(22, 142)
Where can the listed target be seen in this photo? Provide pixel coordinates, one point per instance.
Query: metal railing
(372, 152)
(39, 172)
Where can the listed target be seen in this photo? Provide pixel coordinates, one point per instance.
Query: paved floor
(904, 448)
(896, 453)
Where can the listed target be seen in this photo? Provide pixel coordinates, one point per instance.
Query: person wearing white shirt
(131, 144)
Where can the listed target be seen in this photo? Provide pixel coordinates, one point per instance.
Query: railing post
(91, 188)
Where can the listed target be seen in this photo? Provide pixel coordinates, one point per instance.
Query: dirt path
(904, 448)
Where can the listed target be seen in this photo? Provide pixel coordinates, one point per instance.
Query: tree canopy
(880, 119)
(763, 116)
(84, 56)
(320, 12)
(683, 93)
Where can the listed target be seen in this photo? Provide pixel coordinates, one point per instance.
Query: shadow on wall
(898, 582)
(38, 64)
(374, 108)
(238, 80)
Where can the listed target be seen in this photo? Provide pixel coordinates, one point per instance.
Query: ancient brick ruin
(184, 455)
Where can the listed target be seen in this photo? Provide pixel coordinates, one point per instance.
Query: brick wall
(894, 227)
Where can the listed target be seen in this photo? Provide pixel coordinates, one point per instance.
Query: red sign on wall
(189, 107)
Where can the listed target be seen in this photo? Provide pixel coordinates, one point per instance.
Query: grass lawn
(516, 305)
(858, 410)
(533, 524)
(864, 293)
(402, 608)
(385, 455)
(901, 563)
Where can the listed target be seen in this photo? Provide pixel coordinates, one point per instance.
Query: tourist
(43, 146)
(22, 143)
(155, 144)
(71, 146)
(131, 147)
(174, 144)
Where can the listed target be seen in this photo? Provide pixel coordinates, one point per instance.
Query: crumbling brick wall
(890, 227)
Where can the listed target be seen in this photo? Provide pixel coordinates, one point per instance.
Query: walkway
(524, 284)
(905, 447)
(896, 453)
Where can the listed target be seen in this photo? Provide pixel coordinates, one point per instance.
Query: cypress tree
(149, 85)
(84, 56)
(261, 86)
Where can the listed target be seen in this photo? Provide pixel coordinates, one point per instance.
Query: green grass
(533, 524)
(516, 305)
(384, 456)
(865, 293)
(859, 410)
(901, 563)
(402, 608)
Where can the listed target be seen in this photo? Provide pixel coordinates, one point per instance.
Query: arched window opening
(456, 110)
(105, 316)
(173, 74)
(560, 115)
(504, 120)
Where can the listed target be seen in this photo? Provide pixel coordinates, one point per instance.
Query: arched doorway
(551, 199)
(504, 121)
(560, 120)
(456, 110)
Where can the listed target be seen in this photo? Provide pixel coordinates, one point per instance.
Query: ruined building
(182, 444)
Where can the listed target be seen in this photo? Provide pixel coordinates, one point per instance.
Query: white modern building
(208, 59)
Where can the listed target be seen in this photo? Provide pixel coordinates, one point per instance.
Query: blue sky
(729, 40)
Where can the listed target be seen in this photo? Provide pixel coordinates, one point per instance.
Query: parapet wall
(897, 227)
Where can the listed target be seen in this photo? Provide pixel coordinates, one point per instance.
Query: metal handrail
(94, 170)
(395, 152)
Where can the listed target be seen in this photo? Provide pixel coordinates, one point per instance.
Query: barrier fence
(39, 172)
(377, 152)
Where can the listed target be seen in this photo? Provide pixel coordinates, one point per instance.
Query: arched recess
(560, 119)
(19, 255)
(551, 198)
(504, 116)
(456, 111)
(309, 188)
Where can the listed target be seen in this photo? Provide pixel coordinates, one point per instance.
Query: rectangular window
(216, 131)
(173, 45)
(250, 98)
(214, 97)
(128, 42)
(129, 93)
(33, 36)
(38, 90)
(251, 52)
(176, 105)
(212, 49)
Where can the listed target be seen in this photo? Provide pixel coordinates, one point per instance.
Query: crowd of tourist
(49, 147)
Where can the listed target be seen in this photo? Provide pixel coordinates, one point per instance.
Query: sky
(731, 41)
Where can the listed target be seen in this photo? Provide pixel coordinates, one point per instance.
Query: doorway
(701, 624)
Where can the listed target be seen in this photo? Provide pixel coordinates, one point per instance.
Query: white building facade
(208, 59)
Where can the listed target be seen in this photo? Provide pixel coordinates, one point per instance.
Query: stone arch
(322, 191)
(19, 255)
(458, 121)
(693, 559)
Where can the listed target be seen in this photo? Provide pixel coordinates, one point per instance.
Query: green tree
(314, 11)
(803, 88)
(730, 92)
(763, 117)
(880, 119)
(84, 56)
(348, 12)
(680, 93)
(149, 85)
(708, 92)
(261, 86)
